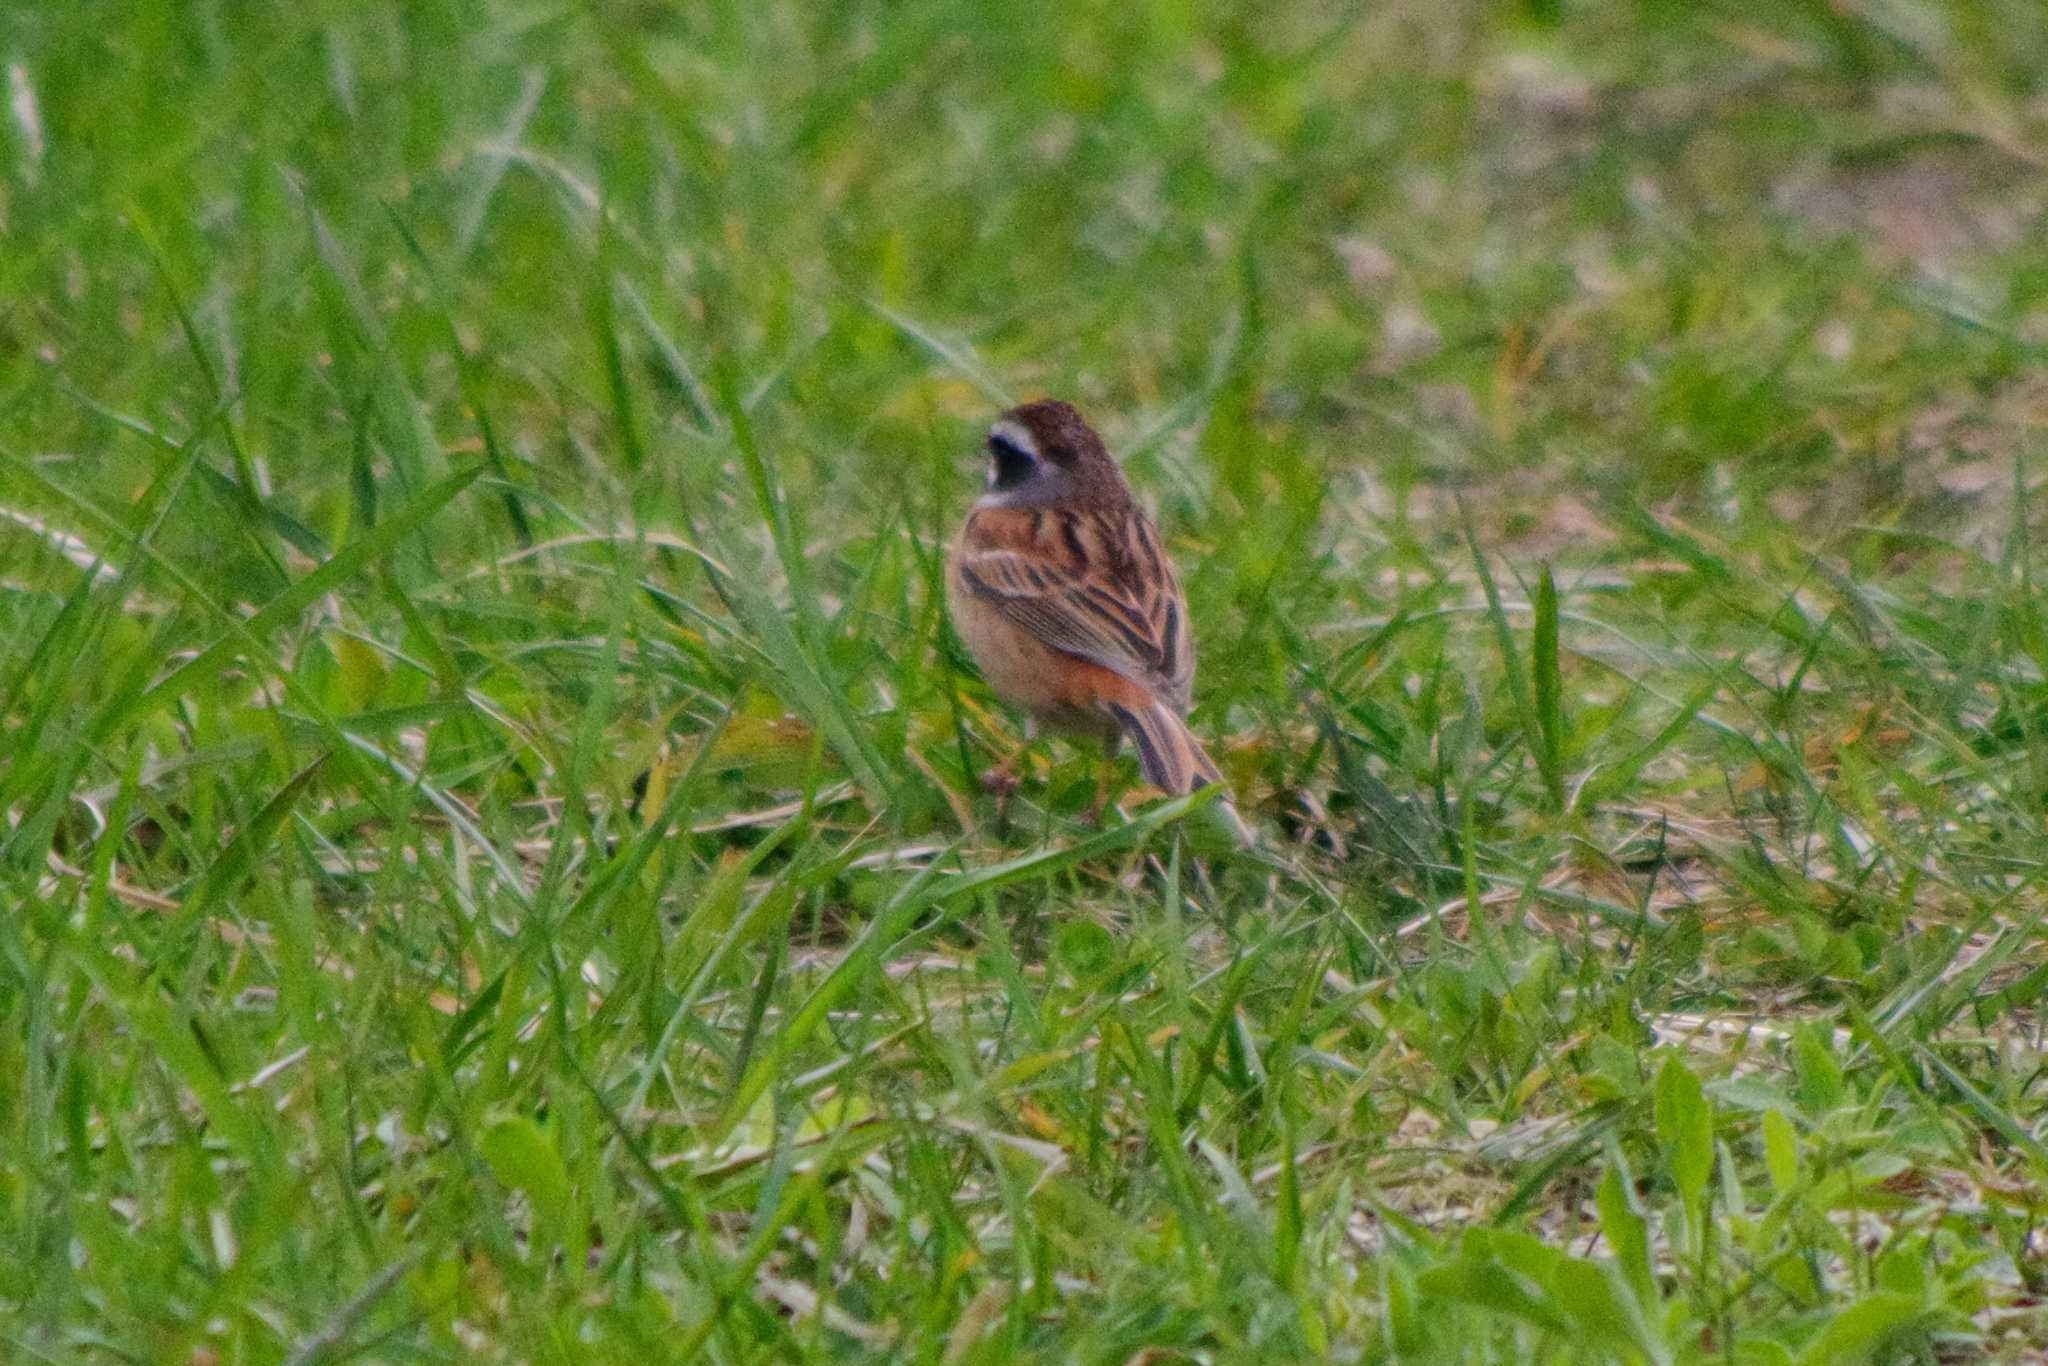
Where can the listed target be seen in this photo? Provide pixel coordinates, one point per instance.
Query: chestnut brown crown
(1042, 450)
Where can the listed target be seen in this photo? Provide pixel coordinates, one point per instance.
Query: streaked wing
(1092, 584)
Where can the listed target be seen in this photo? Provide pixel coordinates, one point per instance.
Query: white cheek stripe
(1017, 436)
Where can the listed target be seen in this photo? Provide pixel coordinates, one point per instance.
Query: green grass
(492, 861)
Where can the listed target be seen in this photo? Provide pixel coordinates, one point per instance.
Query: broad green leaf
(1490, 1285)
(1819, 1085)
(1628, 1233)
(1601, 1303)
(1685, 1130)
(1852, 1334)
(1084, 949)
(523, 1156)
(1781, 1151)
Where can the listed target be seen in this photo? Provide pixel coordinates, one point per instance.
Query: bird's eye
(1009, 463)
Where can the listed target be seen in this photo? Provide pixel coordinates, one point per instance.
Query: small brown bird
(1062, 593)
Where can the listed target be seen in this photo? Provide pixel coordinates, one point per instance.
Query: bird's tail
(1169, 755)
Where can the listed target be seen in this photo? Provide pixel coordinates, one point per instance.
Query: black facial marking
(1012, 463)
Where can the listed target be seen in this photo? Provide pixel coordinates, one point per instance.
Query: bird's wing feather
(1093, 586)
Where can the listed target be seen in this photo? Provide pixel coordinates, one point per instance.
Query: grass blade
(287, 606)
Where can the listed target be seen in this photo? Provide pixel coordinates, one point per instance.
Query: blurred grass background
(493, 860)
